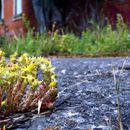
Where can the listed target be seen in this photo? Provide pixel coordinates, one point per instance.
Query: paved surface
(87, 98)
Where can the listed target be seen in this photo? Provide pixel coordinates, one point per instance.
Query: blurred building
(11, 16)
(76, 14)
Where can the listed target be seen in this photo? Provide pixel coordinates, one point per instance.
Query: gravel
(87, 98)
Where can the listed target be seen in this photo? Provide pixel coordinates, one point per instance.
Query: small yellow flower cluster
(20, 87)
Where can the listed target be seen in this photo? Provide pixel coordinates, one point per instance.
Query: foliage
(24, 81)
(95, 41)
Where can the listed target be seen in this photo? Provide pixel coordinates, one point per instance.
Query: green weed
(95, 41)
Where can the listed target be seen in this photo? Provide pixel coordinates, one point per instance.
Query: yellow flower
(23, 58)
(1, 69)
(3, 103)
(13, 57)
(30, 78)
(31, 67)
(25, 55)
(52, 84)
(1, 53)
(35, 83)
(19, 73)
(53, 76)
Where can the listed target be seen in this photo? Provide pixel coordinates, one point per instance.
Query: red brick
(10, 26)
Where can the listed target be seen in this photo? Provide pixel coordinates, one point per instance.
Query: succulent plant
(25, 80)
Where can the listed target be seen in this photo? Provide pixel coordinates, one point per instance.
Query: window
(1, 9)
(17, 8)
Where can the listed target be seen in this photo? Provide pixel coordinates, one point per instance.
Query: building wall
(114, 7)
(29, 13)
(10, 25)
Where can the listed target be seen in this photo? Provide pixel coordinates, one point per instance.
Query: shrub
(24, 81)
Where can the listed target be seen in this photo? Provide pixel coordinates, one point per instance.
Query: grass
(95, 41)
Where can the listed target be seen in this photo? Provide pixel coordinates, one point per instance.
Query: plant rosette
(24, 81)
